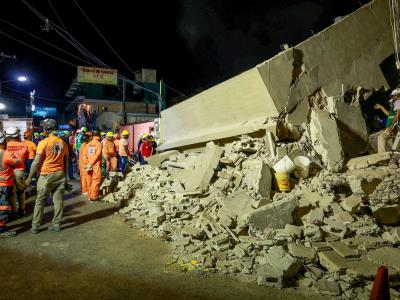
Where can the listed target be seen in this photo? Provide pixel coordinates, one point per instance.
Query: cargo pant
(19, 182)
(6, 195)
(94, 181)
(49, 184)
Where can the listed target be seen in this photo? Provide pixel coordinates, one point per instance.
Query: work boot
(54, 228)
(34, 230)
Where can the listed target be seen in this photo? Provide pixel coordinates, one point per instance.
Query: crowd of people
(49, 158)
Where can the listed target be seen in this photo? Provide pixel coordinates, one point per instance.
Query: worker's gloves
(88, 168)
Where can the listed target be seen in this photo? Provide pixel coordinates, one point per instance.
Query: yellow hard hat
(125, 132)
(110, 134)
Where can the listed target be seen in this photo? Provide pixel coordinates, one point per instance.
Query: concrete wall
(345, 54)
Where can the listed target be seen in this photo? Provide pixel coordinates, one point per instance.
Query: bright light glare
(33, 107)
(22, 78)
(2, 106)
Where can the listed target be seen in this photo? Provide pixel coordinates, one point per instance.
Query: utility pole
(124, 101)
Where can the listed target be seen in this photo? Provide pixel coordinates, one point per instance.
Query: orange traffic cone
(380, 289)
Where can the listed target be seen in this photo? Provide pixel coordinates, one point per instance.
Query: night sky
(194, 44)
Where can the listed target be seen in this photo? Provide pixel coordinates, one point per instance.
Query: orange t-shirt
(6, 169)
(31, 148)
(53, 151)
(20, 151)
(121, 149)
(109, 149)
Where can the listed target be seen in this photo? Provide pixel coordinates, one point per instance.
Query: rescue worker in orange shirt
(83, 161)
(51, 161)
(93, 167)
(7, 163)
(110, 153)
(31, 150)
(20, 151)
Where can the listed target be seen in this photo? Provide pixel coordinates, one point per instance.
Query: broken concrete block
(269, 276)
(273, 215)
(202, 174)
(328, 287)
(312, 233)
(343, 250)
(178, 187)
(368, 160)
(352, 203)
(326, 141)
(193, 232)
(344, 217)
(157, 159)
(221, 184)
(387, 214)
(294, 231)
(366, 242)
(269, 144)
(260, 203)
(305, 254)
(315, 216)
(279, 259)
(238, 205)
(385, 257)
(259, 179)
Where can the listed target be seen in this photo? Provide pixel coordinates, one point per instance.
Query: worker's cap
(2, 137)
(110, 134)
(27, 133)
(125, 133)
(12, 131)
(84, 129)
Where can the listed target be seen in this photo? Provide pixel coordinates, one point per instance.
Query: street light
(2, 106)
(21, 78)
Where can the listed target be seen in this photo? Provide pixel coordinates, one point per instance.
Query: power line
(102, 36)
(39, 97)
(42, 40)
(58, 17)
(41, 51)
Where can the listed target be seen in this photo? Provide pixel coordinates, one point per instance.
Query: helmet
(78, 131)
(125, 132)
(395, 93)
(2, 137)
(27, 133)
(110, 134)
(83, 129)
(102, 133)
(61, 134)
(49, 124)
(36, 134)
(12, 132)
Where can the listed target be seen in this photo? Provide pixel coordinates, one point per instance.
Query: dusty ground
(97, 256)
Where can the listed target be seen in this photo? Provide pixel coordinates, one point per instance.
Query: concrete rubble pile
(220, 208)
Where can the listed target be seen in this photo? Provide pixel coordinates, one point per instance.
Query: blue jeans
(123, 163)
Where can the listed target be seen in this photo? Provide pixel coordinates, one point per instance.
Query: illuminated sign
(97, 75)
(45, 112)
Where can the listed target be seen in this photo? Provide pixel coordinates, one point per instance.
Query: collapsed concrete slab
(368, 161)
(238, 205)
(280, 83)
(325, 139)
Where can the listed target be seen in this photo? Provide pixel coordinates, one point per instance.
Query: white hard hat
(12, 131)
(394, 94)
(2, 137)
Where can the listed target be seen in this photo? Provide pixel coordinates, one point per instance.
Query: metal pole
(123, 101)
